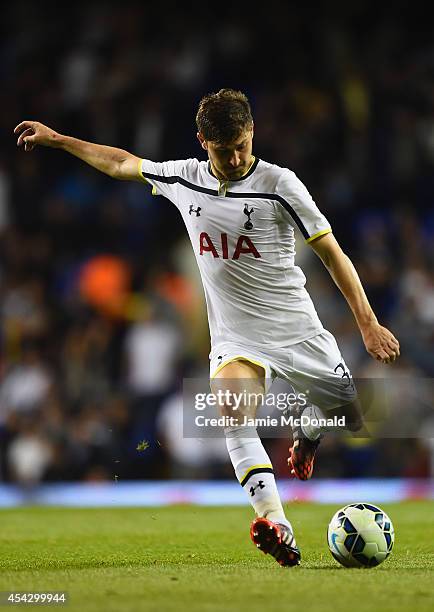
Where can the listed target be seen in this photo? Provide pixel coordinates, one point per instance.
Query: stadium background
(102, 312)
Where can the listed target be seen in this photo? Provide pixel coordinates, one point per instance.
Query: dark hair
(223, 116)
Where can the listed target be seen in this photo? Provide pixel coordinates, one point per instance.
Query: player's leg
(271, 531)
(249, 458)
(317, 366)
(311, 430)
(307, 436)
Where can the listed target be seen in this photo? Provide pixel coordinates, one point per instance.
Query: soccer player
(240, 213)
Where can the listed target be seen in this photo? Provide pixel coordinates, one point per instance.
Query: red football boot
(275, 539)
(302, 457)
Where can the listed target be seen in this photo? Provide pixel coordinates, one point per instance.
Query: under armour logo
(194, 210)
(260, 485)
(248, 224)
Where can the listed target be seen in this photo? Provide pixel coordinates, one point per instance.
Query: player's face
(230, 161)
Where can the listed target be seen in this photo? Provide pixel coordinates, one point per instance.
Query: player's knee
(239, 389)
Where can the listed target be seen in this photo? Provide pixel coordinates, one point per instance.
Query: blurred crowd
(101, 307)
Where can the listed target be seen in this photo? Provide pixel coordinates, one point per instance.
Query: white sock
(254, 471)
(311, 431)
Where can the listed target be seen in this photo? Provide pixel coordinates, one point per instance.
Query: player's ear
(253, 129)
(202, 141)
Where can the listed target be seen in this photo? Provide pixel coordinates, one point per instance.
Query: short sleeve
(163, 176)
(298, 207)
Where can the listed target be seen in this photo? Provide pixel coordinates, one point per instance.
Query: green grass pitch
(199, 559)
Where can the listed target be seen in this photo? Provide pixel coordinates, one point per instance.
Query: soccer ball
(360, 535)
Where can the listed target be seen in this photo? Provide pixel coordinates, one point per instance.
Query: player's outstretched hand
(380, 343)
(32, 133)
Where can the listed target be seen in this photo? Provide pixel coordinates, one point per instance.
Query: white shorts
(315, 366)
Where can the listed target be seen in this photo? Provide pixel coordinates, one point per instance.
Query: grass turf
(201, 559)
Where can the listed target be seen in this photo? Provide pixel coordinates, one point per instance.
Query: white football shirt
(242, 233)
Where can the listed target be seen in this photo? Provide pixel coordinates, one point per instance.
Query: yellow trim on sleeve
(318, 234)
(139, 171)
(235, 358)
(254, 467)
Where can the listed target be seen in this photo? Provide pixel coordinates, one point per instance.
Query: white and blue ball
(360, 535)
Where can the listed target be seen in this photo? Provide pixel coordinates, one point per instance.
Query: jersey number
(345, 374)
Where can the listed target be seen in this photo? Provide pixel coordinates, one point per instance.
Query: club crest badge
(248, 225)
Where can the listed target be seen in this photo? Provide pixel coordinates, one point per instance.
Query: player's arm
(117, 163)
(379, 341)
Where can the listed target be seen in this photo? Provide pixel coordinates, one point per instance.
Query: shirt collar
(249, 172)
